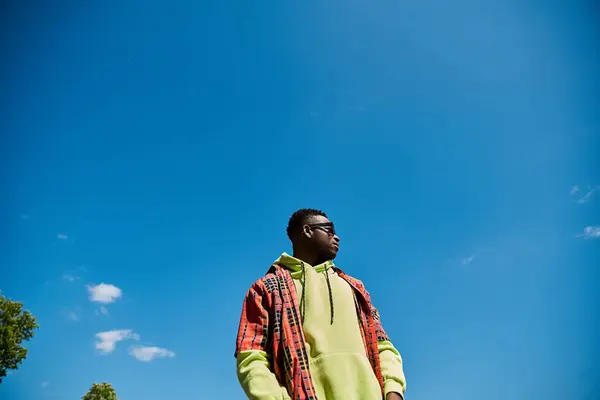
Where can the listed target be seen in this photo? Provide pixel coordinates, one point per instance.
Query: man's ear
(306, 231)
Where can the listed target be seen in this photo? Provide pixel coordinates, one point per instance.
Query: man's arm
(391, 369)
(253, 367)
(394, 381)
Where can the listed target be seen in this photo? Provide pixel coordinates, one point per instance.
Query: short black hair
(299, 218)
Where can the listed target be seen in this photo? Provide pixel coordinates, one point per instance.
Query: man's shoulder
(266, 283)
(355, 281)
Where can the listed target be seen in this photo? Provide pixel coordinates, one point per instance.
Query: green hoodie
(338, 363)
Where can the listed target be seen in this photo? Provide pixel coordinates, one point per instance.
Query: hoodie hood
(295, 266)
(298, 269)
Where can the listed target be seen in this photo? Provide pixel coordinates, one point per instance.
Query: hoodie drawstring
(303, 295)
(330, 295)
(303, 298)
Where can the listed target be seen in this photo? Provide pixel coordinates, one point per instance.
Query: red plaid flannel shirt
(270, 322)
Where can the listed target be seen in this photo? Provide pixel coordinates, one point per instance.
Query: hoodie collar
(295, 265)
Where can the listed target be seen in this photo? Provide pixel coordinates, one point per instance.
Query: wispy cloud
(62, 236)
(102, 311)
(468, 260)
(44, 385)
(588, 196)
(24, 216)
(72, 315)
(108, 340)
(104, 293)
(590, 232)
(70, 278)
(574, 190)
(149, 353)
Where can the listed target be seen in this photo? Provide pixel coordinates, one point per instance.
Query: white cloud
(104, 293)
(467, 260)
(103, 311)
(62, 236)
(149, 353)
(588, 196)
(108, 340)
(590, 232)
(574, 190)
(44, 385)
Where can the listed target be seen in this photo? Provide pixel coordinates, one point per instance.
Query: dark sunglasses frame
(322, 226)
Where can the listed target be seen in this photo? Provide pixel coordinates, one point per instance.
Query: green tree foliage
(101, 391)
(16, 326)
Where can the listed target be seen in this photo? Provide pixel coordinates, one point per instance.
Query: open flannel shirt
(270, 322)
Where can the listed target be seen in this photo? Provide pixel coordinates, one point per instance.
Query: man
(308, 331)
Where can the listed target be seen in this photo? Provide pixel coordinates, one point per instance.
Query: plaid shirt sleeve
(252, 350)
(253, 330)
(381, 334)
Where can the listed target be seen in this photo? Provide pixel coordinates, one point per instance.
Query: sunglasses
(326, 227)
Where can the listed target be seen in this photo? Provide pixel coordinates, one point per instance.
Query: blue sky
(160, 149)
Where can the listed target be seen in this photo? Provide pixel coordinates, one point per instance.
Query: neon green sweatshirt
(338, 363)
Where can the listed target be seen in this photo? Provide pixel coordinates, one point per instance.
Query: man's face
(322, 236)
